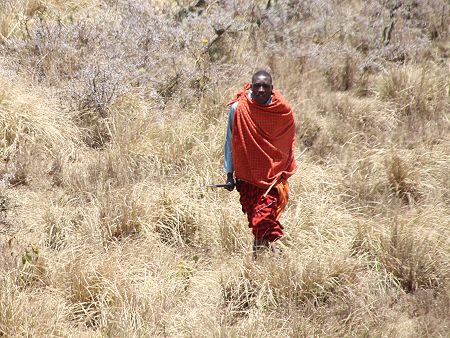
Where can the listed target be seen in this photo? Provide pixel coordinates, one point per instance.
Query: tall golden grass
(112, 123)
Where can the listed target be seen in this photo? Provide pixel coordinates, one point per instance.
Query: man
(259, 156)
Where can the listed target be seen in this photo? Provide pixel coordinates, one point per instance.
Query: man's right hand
(230, 182)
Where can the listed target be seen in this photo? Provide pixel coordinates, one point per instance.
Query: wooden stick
(271, 186)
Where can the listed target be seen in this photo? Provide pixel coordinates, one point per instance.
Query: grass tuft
(112, 124)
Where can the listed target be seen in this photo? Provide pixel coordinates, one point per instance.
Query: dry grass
(27, 117)
(112, 122)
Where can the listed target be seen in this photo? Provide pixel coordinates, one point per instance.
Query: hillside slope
(112, 122)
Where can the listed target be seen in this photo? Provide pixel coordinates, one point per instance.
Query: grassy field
(112, 121)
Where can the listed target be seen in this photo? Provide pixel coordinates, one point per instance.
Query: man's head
(261, 86)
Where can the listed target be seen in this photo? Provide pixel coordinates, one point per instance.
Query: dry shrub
(124, 289)
(91, 171)
(339, 68)
(98, 200)
(136, 51)
(176, 219)
(402, 179)
(57, 223)
(89, 292)
(431, 308)
(295, 75)
(364, 183)
(431, 16)
(32, 130)
(121, 212)
(239, 296)
(417, 93)
(33, 270)
(382, 178)
(288, 283)
(308, 131)
(7, 254)
(170, 145)
(413, 249)
(28, 118)
(394, 31)
(15, 174)
(132, 119)
(353, 120)
(64, 7)
(9, 21)
(46, 49)
(234, 234)
(22, 313)
(102, 107)
(131, 242)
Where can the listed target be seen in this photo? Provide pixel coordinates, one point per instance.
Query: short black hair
(262, 72)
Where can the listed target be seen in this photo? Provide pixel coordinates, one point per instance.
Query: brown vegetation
(112, 122)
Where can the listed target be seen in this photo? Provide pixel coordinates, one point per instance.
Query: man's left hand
(230, 182)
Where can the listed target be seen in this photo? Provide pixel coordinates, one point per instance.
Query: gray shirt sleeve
(228, 151)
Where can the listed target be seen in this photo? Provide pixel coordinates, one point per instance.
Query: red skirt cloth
(261, 211)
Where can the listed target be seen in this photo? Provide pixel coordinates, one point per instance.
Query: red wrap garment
(263, 141)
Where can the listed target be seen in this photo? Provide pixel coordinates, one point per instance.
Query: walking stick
(219, 185)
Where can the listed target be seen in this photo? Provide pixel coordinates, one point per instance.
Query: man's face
(262, 89)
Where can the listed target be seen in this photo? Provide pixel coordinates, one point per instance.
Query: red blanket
(262, 211)
(263, 139)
